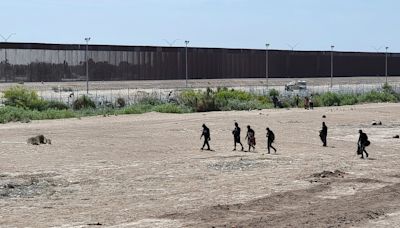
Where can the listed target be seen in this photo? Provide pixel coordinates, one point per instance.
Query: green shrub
(375, 96)
(120, 103)
(171, 108)
(222, 99)
(56, 105)
(14, 114)
(20, 96)
(235, 104)
(136, 109)
(151, 100)
(55, 114)
(273, 92)
(348, 99)
(225, 94)
(329, 99)
(39, 105)
(83, 102)
(387, 88)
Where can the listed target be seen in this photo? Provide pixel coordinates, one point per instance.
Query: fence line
(133, 95)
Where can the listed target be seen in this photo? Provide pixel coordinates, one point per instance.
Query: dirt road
(147, 171)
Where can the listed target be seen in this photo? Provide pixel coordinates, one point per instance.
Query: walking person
(311, 102)
(251, 139)
(270, 139)
(323, 133)
(297, 100)
(306, 102)
(275, 101)
(236, 136)
(362, 143)
(206, 135)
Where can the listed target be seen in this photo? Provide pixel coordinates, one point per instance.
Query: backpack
(272, 136)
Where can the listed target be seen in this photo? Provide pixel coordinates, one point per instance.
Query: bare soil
(148, 171)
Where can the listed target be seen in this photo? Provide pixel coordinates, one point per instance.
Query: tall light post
(266, 63)
(386, 64)
(332, 46)
(5, 39)
(186, 61)
(87, 39)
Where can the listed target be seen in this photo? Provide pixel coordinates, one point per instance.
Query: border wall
(32, 62)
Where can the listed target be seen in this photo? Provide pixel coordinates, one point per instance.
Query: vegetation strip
(22, 104)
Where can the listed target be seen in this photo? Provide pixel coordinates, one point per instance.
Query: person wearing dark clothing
(236, 136)
(297, 100)
(207, 138)
(275, 101)
(251, 139)
(306, 103)
(270, 139)
(311, 102)
(323, 133)
(362, 143)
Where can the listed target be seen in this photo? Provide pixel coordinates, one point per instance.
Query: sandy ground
(147, 171)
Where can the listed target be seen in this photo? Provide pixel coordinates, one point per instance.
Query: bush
(375, 96)
(189, 98)
(56, 105)
(120, 102)
(19, 96)
(222, 100)
(244, 105)
(151, 100)
(273, 93)
(83, 102)
(348, 99)
(136, 109)
(171, 108)
(14, 114)
(329, 99)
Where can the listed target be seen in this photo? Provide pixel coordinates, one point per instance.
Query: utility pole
(87, 39)
(332, 46)
(386, 64)
(266, 63)
(186, 61)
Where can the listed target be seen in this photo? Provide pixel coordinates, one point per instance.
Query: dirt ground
(148, 171)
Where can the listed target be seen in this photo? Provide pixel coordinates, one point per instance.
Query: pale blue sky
(351, 25)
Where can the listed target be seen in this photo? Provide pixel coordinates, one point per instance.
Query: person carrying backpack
(236, 136)
(206, 135)
(323, 133)
(362, 143)
(270, 138)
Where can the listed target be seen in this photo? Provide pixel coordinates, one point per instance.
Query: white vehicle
(296, 85)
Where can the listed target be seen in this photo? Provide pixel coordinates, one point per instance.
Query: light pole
(186, 61)
(332, 46)
(386, 64)
(266, 63)
(87, 39)
(5, 52)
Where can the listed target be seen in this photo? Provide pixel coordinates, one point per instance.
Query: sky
(349, 25)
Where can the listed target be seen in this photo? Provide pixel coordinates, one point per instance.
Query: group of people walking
(251, 139)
